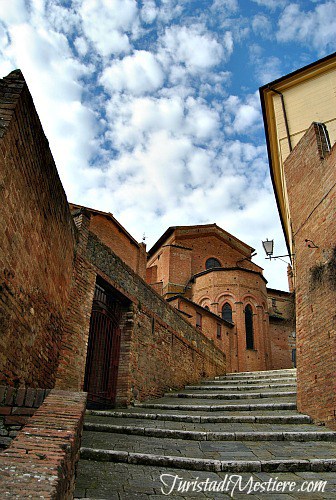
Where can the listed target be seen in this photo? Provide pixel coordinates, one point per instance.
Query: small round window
(211, 263)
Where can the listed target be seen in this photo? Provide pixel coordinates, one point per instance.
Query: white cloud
(149, 11)
(317, 27)
(138, 73)
(13, 12)
(271, 4)
(266, 69)
(241, 116)
(195, 48)
(81, 46)
(225, 5)
(262, 25)
(107, 22)
(202, 122)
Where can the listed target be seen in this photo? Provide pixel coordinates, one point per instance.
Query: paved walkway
(239, 434)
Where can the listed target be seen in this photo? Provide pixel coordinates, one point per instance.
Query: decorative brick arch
(205, 302)
(252, 300)
(225, 297)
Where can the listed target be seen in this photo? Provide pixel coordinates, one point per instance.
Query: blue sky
(151, 108)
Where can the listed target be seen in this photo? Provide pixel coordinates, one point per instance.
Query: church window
(227, 312)
(249, 327)
(211, 263)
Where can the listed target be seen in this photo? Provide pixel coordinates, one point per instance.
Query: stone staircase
(243, 424)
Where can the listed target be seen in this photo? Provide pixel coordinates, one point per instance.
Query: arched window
(227, 312)
(207, 308)
(211, 263)
(249, 327)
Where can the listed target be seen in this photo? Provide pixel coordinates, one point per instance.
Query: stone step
(195, 435)
(269, 418)
(214, 427)
(223, 382)
(221, 387)
(199, 464)
(217, 395)
(266, 373)
(200, 450)
(258, 376)
(218, 407)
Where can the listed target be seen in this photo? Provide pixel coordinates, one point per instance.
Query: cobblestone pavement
(185, 445)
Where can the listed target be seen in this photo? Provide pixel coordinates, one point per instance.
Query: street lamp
(268, 247)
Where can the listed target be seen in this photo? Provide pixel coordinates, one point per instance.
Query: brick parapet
(41, 461)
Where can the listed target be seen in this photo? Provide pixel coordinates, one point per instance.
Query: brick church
(209, 276)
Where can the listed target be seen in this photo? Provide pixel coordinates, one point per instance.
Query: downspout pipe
(285, 116)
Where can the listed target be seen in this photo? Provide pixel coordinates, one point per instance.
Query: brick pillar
(71, 369)
(124, 384)
(214, 307)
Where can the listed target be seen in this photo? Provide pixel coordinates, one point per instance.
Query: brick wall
(159, 348)
(17, 405)
(37, 239)
(111, 233)
(209, 323)
(281, 327)
(310, 173)
(41, 461)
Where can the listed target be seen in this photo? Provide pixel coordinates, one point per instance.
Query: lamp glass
(268, 246)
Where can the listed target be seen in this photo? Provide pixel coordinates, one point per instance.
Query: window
(227, 312)
(198, 320)
(211, 263)
(249, 327)
(219, 331)
(207, 308)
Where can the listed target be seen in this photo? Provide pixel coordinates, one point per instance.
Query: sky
(151, 107)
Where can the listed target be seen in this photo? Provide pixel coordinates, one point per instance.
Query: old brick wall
(212, 325)
(16, 408)
(310, 173)
(41, 461)
(159, 348)
(281, 327)
(112, 235)
(37, 239)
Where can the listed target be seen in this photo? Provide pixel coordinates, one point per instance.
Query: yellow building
(290, 105)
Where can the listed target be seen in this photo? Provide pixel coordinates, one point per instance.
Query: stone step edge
(245, 380)
(252, 377)
(262, 419)
(239, 388)
(300, 436)
(246, 407)
(247, 395)
(201, 464)
(264, 372)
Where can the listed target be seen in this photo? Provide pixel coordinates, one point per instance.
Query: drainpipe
(285, 116)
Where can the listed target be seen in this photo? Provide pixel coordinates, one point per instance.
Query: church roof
(205, 227)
